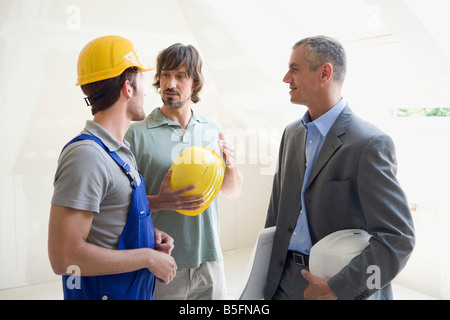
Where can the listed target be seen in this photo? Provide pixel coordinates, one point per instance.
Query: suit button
(290, 229)
(105, 297)
(281, 263)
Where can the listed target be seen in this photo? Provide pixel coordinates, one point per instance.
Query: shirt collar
(97, 130)
(156, 119)
(326, 121)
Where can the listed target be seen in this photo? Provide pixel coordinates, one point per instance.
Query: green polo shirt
(156, 143)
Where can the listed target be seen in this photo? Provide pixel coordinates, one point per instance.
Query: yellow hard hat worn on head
(202, 167)
(107, 57)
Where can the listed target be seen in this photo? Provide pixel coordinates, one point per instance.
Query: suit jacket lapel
(300, 141)
(332, 142)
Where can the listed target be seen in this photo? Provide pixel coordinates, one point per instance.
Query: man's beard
(170, 102)
(173, 104)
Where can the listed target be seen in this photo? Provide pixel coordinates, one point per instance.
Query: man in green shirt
(156, 143)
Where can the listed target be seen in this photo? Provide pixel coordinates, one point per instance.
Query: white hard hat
(333, 252)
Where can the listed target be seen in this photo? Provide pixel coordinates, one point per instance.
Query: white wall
(398, 57)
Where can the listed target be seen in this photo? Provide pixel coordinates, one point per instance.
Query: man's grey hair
(323, 49)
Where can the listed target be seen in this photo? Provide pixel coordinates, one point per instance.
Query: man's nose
(171, 83)
(287, 78)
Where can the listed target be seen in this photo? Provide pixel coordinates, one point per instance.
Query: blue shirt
(317, 131)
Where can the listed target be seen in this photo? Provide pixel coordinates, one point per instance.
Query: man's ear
(327, 72)
(127, 89)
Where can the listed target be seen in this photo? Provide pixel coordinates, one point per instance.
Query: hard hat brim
(108, 74)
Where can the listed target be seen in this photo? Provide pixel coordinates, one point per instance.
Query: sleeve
(272, 211)
(388, 220)
(82, 178)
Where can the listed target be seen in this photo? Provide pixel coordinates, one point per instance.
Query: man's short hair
(323, 49)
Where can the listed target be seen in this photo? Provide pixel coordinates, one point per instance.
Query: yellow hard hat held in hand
(202, 167)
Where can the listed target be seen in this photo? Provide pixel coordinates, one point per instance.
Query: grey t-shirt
(88, 179)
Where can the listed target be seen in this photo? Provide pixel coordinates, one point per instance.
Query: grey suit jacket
(353, 185)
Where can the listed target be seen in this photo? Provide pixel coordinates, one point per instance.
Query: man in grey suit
(335, 171)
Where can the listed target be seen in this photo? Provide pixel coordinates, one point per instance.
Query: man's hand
(163, 242)
(232, 181)
(318, 289)
(168, 199)
(227, 150)
(162, 265)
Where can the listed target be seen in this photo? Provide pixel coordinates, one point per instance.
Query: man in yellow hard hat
(157, 142)
(100, 222)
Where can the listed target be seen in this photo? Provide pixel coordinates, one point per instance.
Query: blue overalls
(137, 233)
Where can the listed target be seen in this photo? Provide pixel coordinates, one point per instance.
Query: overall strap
(125, 166)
